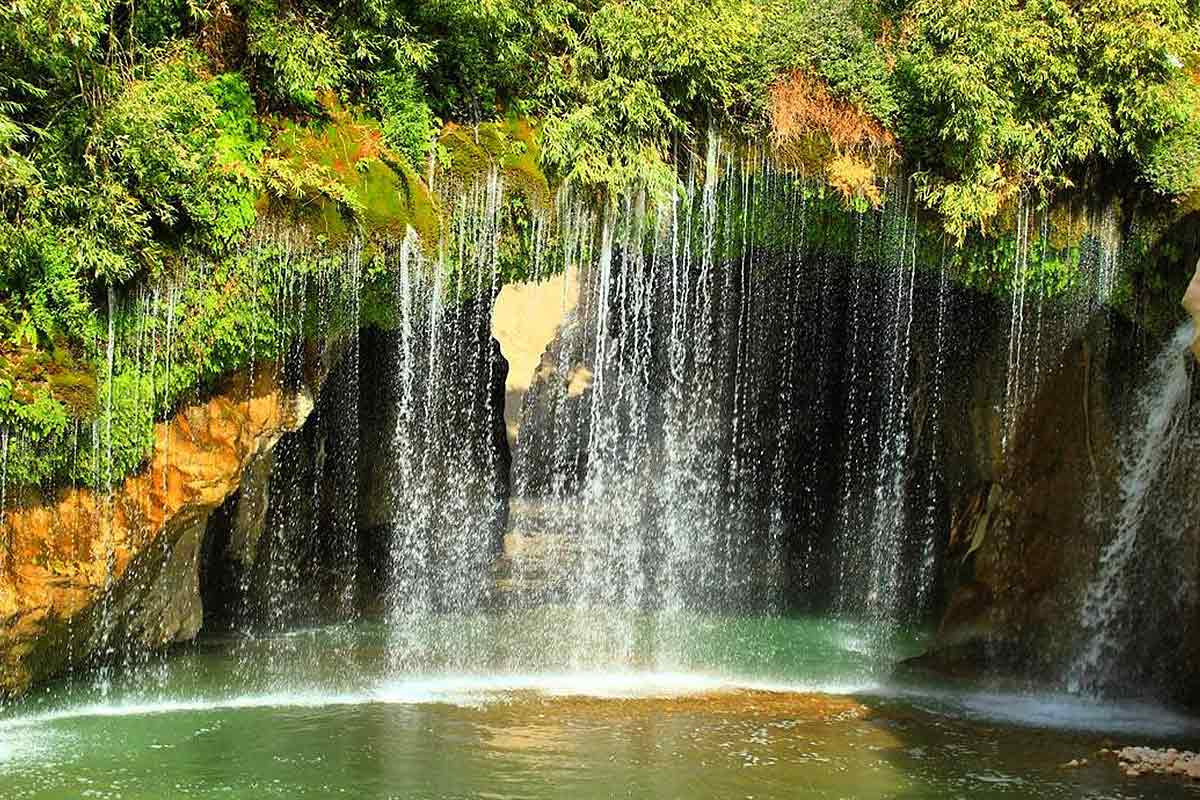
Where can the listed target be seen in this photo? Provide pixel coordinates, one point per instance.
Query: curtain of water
(885, 553)
(723, 396)
(680, 495)
(446, 476)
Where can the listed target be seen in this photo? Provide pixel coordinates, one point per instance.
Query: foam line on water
(613, 684)
(461, 690)
(1056, 711)
(1067, 712)
(135, 708)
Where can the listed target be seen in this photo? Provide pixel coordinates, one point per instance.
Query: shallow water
(734, 708)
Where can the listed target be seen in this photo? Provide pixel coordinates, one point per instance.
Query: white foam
(1055, 711)
(629, 684)
(1065, 712)
(134, 708)
(460, 690)
(22, 746)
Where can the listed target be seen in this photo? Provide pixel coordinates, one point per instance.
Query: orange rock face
(1191, 302)
(77, 552)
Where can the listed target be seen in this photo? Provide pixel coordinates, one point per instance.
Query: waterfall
(889, 517)
(1016, 388)
(886, 535)
(8, 544)
(446, 477)
(653, 465)
(674, 459)
(743, 415)
(1107, 617)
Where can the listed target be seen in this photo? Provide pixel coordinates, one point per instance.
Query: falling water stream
(1151, 442)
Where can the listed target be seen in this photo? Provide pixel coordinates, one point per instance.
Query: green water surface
(515, 707)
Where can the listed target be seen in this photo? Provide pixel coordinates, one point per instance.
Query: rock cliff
(90, 575)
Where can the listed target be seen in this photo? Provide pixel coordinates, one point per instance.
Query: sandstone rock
(1191, 302)
(92, 572)
(525, 319)
(579, 380)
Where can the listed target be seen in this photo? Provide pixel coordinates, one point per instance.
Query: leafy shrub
(407, 121)
(185, 147)
(297, 57)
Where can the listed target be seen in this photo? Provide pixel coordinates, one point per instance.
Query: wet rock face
(479, 380)
(1031, 521)
(1031, 541)
(1021, 543)
(552, 443)
(231, 542)
(91, 573)
(159, 601)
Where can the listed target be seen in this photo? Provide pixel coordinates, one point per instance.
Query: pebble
(1136, 761)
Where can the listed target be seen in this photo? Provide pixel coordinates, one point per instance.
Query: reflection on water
(322, 717)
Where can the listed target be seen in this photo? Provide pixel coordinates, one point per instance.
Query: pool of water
(513, 707)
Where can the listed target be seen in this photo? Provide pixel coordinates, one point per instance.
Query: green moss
(340, 178)
(61, 386)
(467, 154)
(76, 391)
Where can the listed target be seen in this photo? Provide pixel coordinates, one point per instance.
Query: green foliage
(156, 22)
(513, 146)
(185, 148)
(1171, 162)
(839, 40)
(640, 73)
(478, 55)
(1001, 96)
(44, 297)
(173, 339)
(340, 178)
(53, 36)
(296, 56)
(407, 121)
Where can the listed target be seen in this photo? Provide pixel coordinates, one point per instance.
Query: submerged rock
(1136, 761)
(94, 574)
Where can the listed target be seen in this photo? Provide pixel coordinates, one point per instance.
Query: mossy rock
(512, 144)
(76, 391)
(350, 183)
(32, 373)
